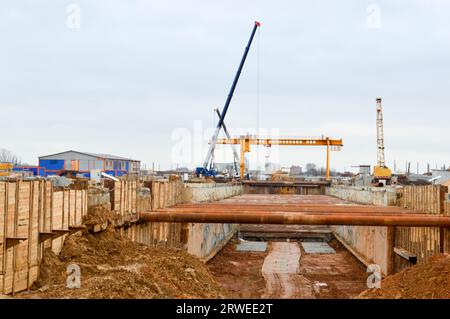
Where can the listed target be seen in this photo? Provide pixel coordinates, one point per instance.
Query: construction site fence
(378, 245)
(422, 242)
(36, 215)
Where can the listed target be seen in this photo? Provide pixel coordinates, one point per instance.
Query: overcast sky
(136, 78)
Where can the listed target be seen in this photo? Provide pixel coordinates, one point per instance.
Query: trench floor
(285, 270)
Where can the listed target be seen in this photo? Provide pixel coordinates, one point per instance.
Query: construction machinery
(233, 148)
(6, 169)
(207, 168)
(247, 140)
(381, 173)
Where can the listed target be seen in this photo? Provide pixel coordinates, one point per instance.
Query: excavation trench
(285, 269)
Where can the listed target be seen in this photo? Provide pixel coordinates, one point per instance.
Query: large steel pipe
(330, 209)
(298, 219)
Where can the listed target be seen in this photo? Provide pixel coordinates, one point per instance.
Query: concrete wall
(382, 196)
(370, 244)
(208, 192)
(205, 240)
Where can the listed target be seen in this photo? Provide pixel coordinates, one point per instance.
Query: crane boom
(212, 144)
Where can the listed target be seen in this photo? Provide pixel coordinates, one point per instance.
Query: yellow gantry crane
(247, 140)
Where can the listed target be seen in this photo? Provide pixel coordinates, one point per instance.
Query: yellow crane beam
(246, 141)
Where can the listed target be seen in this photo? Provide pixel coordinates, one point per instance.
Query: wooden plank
(21, 249)
(3, 209)
(407, 255)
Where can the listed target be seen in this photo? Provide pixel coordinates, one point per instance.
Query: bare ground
(430, 280)
(241, 275)
(115, 267)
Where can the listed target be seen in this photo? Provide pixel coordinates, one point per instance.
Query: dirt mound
(100, 214)
(430, 280)
(115, 267)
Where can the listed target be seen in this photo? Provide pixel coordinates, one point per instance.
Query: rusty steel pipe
(312, 209)
(287, 218)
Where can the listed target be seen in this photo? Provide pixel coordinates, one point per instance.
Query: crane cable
(258, 78)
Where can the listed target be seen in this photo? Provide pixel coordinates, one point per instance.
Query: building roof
(104, 156)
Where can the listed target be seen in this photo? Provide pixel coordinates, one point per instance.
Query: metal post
(242, 162)
(328, 160)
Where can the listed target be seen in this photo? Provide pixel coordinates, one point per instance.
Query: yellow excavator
(381, 173)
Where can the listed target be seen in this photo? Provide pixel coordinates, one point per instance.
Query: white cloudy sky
(136, 74)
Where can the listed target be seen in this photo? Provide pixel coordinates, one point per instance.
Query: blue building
(83, 163)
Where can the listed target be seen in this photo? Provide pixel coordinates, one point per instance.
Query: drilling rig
(381, 173)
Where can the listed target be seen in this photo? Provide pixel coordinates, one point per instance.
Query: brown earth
(239, 272)
(115, 267)
(345, 277)
(430, 280)
(100, 214)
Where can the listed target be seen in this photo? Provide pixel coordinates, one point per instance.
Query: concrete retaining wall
(208, 192)
(205, 240)
(372, 245)
(365, 195)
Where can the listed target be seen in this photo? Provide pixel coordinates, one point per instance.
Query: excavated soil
(115, 267)
(430, 280)
(100, 214)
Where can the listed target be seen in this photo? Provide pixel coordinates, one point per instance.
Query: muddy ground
(240, 273)
(430, 280)
(115, 267)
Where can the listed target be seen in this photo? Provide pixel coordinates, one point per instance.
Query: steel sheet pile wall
(33, 216)
(421, 241)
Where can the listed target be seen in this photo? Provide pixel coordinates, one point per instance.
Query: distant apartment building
(295, 170)
(83, 163)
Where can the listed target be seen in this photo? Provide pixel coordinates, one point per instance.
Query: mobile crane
(207, 168)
